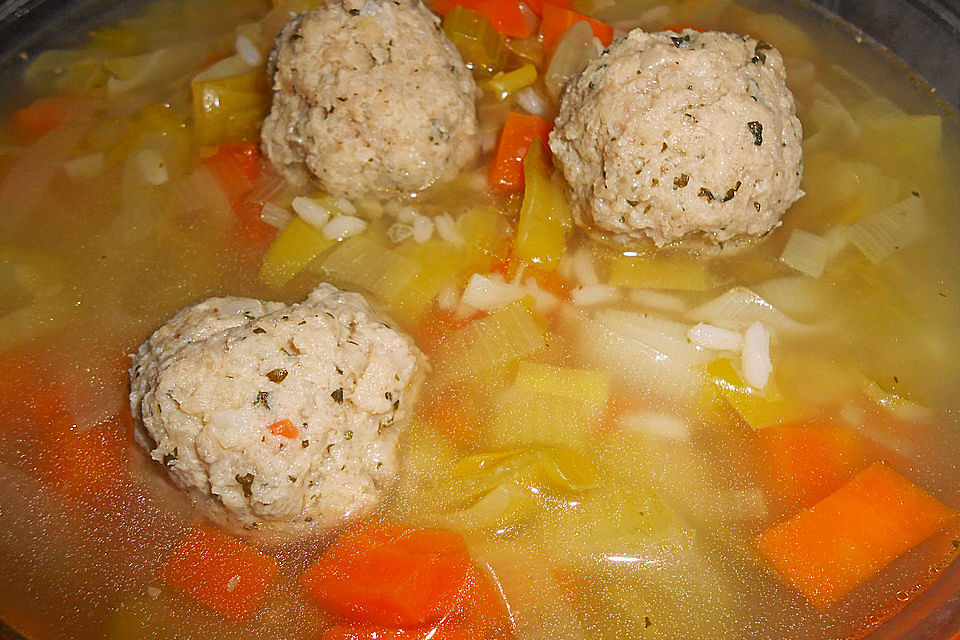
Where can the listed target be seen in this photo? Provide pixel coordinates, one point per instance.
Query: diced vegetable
(537, 5)
(229, 100)
(237, 167)
(390, 574)
(505, 15)
(807, 253)
(504, 84)
(284, 429)
(545, 216)
(547, 405)
(802, 464)
(758, 408)
(646, 359)
(117, 41)
(519, 131)
(84, 465)
(674, 272)
(292, 250)
(65, 71)
(485, 346)
(556, 20)
(483, 48)
(893, 229)
(831, 548)
(739, 307)
(503, 506)
(220, 572)
(575, 49)
(132, 72)
(46, 114)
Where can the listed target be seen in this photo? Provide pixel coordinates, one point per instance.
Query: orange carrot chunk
(802, 464)
(46, 114)
(828, 550)
(506, 170)
(220, 572)
(537, 5)
(389, 574)
(284, 429)
(236, 167)
(505, 15)
(556, 21)
(374, 632)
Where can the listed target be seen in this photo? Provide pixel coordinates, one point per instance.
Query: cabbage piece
(646, 361)
(740, 307)
(893, 229)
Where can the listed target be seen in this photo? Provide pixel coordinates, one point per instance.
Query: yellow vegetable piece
(545, 215)
(118, 41)
(504, 84)
(295, 247)
(675, 272)
(481, 45)
(759, 408)
(504, 506)
(229, 101)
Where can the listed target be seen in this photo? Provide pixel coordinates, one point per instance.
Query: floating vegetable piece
(504, 84)
(506, 16)
(292, 250)
(545, 217)
(482, 47)
(758, 408)
(557, 20)
(574, 51)
(831, 548)
(675, 272)
(519, 132)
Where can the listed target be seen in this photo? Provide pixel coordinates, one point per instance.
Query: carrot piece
(802, 464)
(86, 465)
(826, 551)
(46, 114)
(220, 572)
(505, 15)
(284, 428)
(374, 632)
(556, 21)
(436, 325)
(537, 5)
(389, 574)
(506, 169)
(236, 167)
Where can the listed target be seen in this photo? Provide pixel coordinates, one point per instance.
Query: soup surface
(587, 426)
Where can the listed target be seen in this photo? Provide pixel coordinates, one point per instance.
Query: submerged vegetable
(545, 216)
(482, 47)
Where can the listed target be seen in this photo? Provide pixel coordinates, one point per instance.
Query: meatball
(370, 98)
(675, 137)
(277, 418)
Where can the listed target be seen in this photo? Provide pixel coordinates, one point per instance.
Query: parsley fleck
(757, 130)
(337, 396)
(262, 399)
(246, 482)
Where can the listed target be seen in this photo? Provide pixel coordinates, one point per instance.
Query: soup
(591, 429)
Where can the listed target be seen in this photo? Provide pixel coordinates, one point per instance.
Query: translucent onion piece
(574, 50)
(740, 307)
(807, 253)
(892, 229)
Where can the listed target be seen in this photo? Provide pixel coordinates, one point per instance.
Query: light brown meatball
(370, 98)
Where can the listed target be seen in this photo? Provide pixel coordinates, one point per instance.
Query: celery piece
(545, 216)
(70, 71)
(483, 348)
(758, 408)
(483, 48)
(895, 228)
(552, 406)
(673, 272)
(295, 246)
(504, 84)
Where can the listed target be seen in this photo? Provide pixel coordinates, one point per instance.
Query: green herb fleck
(732, 192)
(246, 482)
(681, 181)
(170, 458)
(348, 435)
(706, 193)
(757, 130)
(337, 396)
(262, 399)
(259, 330)
(277, 375)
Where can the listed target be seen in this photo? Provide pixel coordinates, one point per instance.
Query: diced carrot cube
(828, 550)
(556, 21)
(284, 429)
(804, 464)
(389, 574)
(537, 5)
(519, 130)
(222, 573)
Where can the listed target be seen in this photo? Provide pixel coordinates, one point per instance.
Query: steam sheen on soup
(752, 439)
